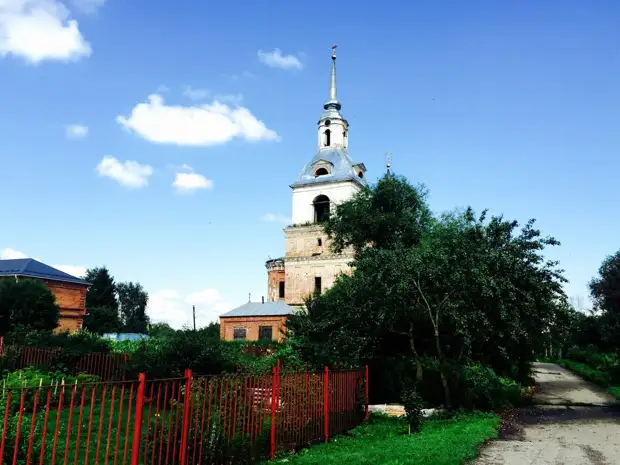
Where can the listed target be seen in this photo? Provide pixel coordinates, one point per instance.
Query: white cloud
(198, 125)
(73, 270)
(196, 94)
(129, 173)
(88, 6)
(10, 254)
(171, 307)
(275, 59)
(234, 99)
(243, 75)
(75, 131)
(39, 30)
(275, 218)
(189, 181)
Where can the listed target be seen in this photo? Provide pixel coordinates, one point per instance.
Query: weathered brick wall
(308, 256)
(278, 323)
(71, 298)
(274, 277)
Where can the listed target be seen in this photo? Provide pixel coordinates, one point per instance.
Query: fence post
(274, 387)
(187, 403)
(326, 403)
(137, 422)
(366, 393)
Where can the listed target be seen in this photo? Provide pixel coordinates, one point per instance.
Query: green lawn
(594, 375)
(384, 441)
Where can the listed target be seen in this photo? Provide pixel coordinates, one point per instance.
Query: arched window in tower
(321, 172)
(321, 208)
(328, 137)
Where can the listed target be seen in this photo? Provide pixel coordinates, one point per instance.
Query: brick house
(70, 292)
(255, 321)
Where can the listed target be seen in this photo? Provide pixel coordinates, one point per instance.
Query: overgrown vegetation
(384, 441)
(589, 343)
(458, 304)
(165, 356)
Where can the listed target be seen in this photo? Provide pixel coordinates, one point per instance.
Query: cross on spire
(388, 160)
(334, 47)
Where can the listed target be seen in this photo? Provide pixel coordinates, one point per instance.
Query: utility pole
(194, 313)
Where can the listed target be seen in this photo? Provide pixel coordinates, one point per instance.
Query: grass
(598, 377)
(384, 441)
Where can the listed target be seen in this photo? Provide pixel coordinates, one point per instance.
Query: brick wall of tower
(274, 278)
(309, 256)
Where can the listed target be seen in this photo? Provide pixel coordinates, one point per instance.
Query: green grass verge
(384, 441)
(594, 375)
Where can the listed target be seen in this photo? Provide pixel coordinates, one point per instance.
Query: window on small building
(319, 242)
(328, 137)
(321, 209)
(240, 333)
(321, 172)
(317, 285)
(265, 333)
(361, 174)
(281, 293)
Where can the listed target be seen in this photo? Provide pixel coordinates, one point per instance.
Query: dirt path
(573, 423)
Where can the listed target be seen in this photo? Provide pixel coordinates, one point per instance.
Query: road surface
(573, 423)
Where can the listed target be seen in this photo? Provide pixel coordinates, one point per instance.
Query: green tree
(133, 300)
(457, 288)
(161, 330)
(389, 215)
(27, 303)
(102, 314)
(605, 291)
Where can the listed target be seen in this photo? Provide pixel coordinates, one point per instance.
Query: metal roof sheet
(260, 309)
(31, 268)
(342, 168)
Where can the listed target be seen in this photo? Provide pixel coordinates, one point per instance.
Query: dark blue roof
(30, 268)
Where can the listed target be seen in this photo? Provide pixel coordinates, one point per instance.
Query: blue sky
(160, 138)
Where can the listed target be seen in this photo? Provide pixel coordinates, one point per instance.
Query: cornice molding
(333, 257)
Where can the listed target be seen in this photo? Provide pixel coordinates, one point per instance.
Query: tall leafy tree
(458, 287)
(389, 215)
(133, 300)
(102, 313)
(605, 291)
(161, 330)
(27, 303)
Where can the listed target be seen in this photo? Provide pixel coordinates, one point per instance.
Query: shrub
(413, 408)
(483, 389)
(27, 381)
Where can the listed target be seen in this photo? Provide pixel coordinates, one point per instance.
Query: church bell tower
(331, 177)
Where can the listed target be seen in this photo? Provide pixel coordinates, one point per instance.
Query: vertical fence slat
(4, 425)
(137, 427)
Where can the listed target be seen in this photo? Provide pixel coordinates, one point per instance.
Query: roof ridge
(26, 263)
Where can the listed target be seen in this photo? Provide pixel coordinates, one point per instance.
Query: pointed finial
(388, 160)
(250, 297)
(334, 47)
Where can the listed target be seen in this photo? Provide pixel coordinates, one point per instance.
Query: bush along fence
(107, 366)
(183, 421)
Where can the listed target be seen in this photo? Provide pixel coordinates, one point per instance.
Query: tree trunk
(442, 372)
(418, 364)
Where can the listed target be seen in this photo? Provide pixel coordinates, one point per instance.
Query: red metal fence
(204, 420)
(108, 366)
